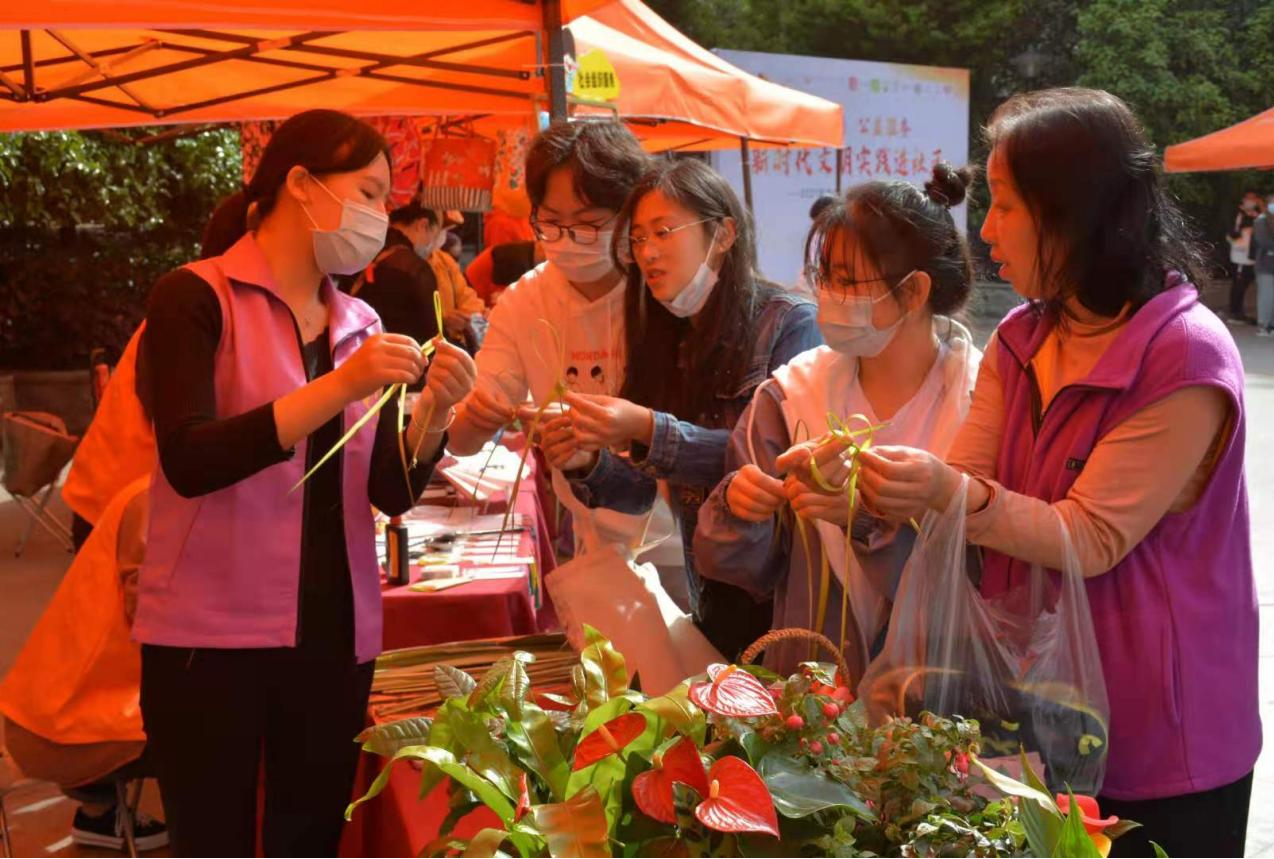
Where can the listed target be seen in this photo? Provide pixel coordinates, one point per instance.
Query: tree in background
(65, 289)
(1188, 67)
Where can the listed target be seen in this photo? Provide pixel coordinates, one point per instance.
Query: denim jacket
(691, 458)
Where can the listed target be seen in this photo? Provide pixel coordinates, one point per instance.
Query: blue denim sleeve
(614, 483)
(798, 332)
(683, 453)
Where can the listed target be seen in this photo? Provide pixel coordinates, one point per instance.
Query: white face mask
(353, 245)
(582, 263)
(846, 324)
(695, 294)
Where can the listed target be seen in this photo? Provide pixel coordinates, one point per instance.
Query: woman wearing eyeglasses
(889, 269)
(563, 321)
(703, 330)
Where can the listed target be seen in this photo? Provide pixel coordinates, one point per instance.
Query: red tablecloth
(490, 608)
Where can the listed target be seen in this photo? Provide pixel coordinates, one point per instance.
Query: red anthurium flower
(560, 703)
(732, 692)
(652, 790)
(524, 799)
(1088, 812)
(738, 800)
(608, 739)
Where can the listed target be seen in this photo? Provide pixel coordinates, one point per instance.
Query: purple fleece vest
(223, 570)
(1176, 620)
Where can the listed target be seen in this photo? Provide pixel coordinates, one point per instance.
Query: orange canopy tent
(678, 95)
(87, 63)
(1249, 144)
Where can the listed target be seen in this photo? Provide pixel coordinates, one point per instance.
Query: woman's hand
(830, 456)
(815, 503)
(606, 422)
(487, 411)
(561, 448)
(454, 323)
(905, 482)
(753, 495)
(382, 360)
(452, 374)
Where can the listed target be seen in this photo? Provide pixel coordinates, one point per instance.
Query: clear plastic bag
(1024, 663)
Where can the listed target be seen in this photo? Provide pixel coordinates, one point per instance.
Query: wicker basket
(798, 634)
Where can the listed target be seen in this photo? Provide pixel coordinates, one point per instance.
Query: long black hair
(321, 141)
(1108, 232)
(900, 229)
(673, 366)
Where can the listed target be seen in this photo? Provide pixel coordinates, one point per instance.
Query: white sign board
(899, 121)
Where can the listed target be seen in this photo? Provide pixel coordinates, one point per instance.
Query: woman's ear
(727, 233)
(300, 184)
(916, 290)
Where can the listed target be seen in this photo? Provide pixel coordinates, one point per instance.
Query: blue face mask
(846, 324)
(353, 245)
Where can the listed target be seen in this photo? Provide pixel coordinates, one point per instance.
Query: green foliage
(65, 291)
(57, 179)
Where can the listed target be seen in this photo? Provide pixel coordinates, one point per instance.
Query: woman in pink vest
(259, 600)
(1114, 400)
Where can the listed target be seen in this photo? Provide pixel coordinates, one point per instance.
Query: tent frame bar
(249, 51)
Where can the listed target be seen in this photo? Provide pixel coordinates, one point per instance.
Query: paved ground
(40, 820)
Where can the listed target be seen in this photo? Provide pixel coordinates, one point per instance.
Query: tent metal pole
(840, 167)
(745, 156)
(28, 64)
(557, 59)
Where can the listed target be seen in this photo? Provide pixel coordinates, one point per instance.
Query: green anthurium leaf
(604, 712)
(388, 738)
(535, 741)
(685, 799)
(754, 745)
(1040, 816)
(490, 682)
(1123, 827)
(679, 713)
(486, 844)
(605, 672)
(576, 827)
(513, 692)
(1160, 853)
(473, 743)
(1074, 839)
(452, 682)
(799, 790)
(445, 762)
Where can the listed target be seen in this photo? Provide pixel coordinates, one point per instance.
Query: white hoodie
(522, 354)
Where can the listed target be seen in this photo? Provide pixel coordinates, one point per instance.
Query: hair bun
(949, 184)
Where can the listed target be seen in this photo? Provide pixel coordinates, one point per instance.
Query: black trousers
(1211, 823)
(213, 717)
(1241, 277)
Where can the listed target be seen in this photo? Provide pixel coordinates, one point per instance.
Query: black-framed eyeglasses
(582, 234)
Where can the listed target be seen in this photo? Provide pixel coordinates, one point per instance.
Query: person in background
(509, 219)
(500, 265)
(802, 286)
(1263, 262)
(70, 701)
(892, 270)
(117, 448)
(1113, 401)
(704, 330)
(1241, 269)
(459, 301)
(400, 284)
(453, 245)
(258, 605)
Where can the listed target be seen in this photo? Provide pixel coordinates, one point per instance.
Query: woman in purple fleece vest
(1114, 401)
